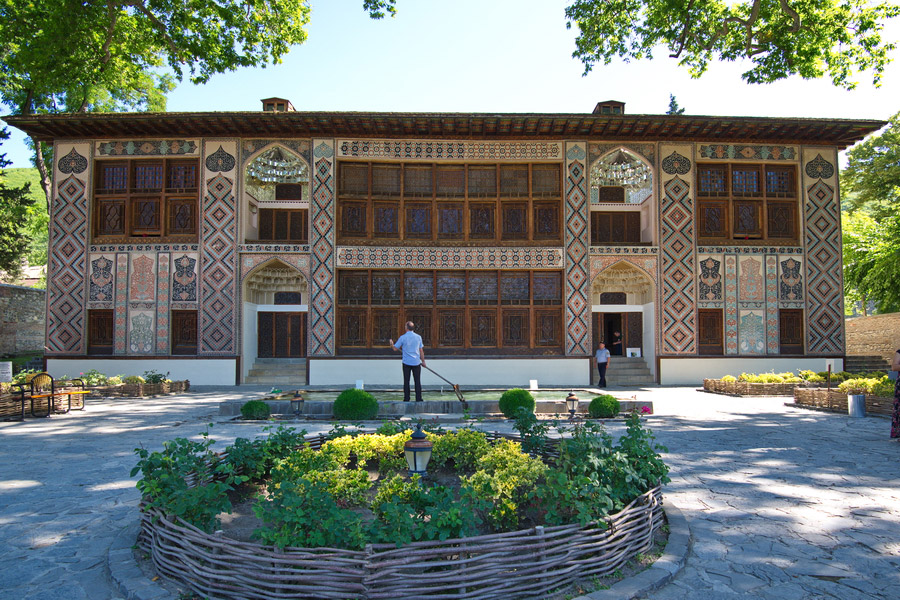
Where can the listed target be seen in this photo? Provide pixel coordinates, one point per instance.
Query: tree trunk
(42, 170)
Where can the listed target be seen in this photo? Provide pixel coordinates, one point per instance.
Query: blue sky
(498, 56)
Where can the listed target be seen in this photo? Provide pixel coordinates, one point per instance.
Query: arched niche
(621, 177)
(623, 278)
(275, 277)
(276, 179)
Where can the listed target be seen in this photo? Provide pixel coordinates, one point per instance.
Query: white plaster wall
(649, 349)
(215, 371)
(692, 371)
(249, 339)
(465, 372)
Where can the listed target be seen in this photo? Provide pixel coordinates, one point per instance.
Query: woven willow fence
(836, 401)
(518, 564)
(743, 388)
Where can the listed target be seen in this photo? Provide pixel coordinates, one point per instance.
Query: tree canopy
(872, 261)
(674, 109)
(810, 38)
(14, 205)
(871, 180)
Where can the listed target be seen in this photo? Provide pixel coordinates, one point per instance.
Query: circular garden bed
(339, 518)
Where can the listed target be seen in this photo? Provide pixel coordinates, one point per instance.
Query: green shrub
(115, 380)
(93, 377)
(729, 378)
(355, 405)
(152, 376)
(255, 410)
(604, 407)
(871, 386)
(133, 379)
(464, 448)
(512, 399)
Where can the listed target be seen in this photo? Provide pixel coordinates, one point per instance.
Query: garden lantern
(418, 451)
(296, 404)
(572, 404)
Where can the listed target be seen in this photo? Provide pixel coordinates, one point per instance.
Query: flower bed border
(139, 390)
(525, 563)
(743, 388)
(834, 400)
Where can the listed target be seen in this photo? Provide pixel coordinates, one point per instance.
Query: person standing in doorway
(602, 356)
(413, 350)
(616, 345)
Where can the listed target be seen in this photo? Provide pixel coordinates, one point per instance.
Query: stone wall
(876, 335)
(21, 319)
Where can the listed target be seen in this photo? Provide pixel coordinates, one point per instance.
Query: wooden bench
(45, 395)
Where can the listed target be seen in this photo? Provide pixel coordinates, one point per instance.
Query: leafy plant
(604, 406)
(462, 449)
(534, 432)
(355, 405)
(133, 379)
(729, 378)
(414, 512)
(153, 377)
(255, 410)
(93, 377)
(512, 400)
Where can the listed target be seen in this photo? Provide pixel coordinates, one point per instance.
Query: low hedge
(604, 406)
(512, 400)
(355, 405)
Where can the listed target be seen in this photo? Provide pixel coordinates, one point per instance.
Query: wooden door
(790, 330)
(281, 335)
(710, 331)
(633, 330)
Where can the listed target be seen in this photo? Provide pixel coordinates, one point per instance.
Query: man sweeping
(413, 350)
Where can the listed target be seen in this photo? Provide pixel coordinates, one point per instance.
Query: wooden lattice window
(353, 288)
(386, 180)
(611, 194)
(422, 321)
(481, 221)
(546, 220)
(450, 220)
(547, 287)
(450, 181)
(514, 181)
(451, 288)
(289, 192)
(417, 181)
(384, 327)
(386, 288)
(548, 328)
(146, 198)
(351, 328)
(418, 287)
(483, 328)
(515, 221)
(710, 325)
(747, 202)
(288, 298)
(615, 227)
(790, 330)
(451, 330)
(354, 179)
(184, 332)
(100, 331)
(516, 328)
(545, 180)
(386, 219)
(286, 225)
(418, 220)
(482, 181)
(353, 219)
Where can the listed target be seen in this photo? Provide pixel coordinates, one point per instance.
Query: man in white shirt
(410, 344)
(602, 356)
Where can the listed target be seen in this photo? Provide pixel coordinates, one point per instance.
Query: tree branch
(158, 25)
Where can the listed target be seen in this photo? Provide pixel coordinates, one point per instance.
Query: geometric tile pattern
(120, 325)
(162, 304)
(249, 262)
(144, 248)
(731, 311)
(750, 249)
(772, 305)
(66, 269)
(738, 152)
(677, 264)
(321, 309)
(273, 248)
(101, 280)
(752, 333)
(147, 148)
(184, 279)
(624, 250)
(218, 266)
(824, 288)
(791, 281)
(577, 265)
(710, 279)
(444, 150)
(367, 257)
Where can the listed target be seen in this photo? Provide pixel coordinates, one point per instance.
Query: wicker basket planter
(527, 563)
(743, 388)
(137, 390)
(835, 400)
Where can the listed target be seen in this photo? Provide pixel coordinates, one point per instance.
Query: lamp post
(418, 452)
(572, 404)
(296, 404)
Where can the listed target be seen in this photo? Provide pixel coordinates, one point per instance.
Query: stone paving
(781, 502)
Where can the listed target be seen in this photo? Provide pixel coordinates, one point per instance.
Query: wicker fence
(137, 390)
(743, 388)
(520, 564)
(836, 401)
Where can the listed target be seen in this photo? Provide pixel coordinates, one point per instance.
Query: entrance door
(629, 326)
(281, 334)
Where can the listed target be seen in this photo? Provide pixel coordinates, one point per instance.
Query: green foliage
(302, 512)
(133, 379)
(535, 433)
(355, 405)
(504, 480)
(255, 410)
(729, 378)
(387, 450)
(152, 376)
(870, 386)
(833, 38)
(872, 257)
(511, 400)
(674, 109)
(258, 457)
(604, 406)
(15, 203)
(390, 428)
(870, 183)
(165, 475)
(462, 449)
(769, 378)
(93, 377)
(35, 227)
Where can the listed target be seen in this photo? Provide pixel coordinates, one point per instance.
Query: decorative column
(577, 260)
(322, 220)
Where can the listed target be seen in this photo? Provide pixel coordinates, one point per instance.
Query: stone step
(293, 370)
(280, 361)
(276, 381)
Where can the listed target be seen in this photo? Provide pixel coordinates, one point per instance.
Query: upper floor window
(740, 201)
(426, 202)
(146, 198)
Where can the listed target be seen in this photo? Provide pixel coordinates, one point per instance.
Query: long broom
(459, 395)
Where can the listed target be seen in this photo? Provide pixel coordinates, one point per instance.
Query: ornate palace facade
(198, 243)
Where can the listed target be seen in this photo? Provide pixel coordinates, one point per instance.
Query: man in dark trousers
(602, 357)
(410, 344)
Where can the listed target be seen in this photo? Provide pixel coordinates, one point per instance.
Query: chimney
(609, 107)
(277, 105)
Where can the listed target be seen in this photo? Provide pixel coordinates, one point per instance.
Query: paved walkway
(782, 503)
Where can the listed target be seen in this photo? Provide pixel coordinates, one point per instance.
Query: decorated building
(202, 244)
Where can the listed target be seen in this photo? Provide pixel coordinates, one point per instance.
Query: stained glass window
(514, 288)
(418, 287)
(483, 287)
(386, 288)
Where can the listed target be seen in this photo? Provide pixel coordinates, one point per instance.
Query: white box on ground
(532, 384)
(5, 372)
(635, 352)
(359, 384)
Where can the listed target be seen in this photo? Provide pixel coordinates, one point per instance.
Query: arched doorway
(275, 301)
(623, 299)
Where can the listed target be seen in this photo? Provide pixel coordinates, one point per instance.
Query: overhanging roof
(510, 126)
